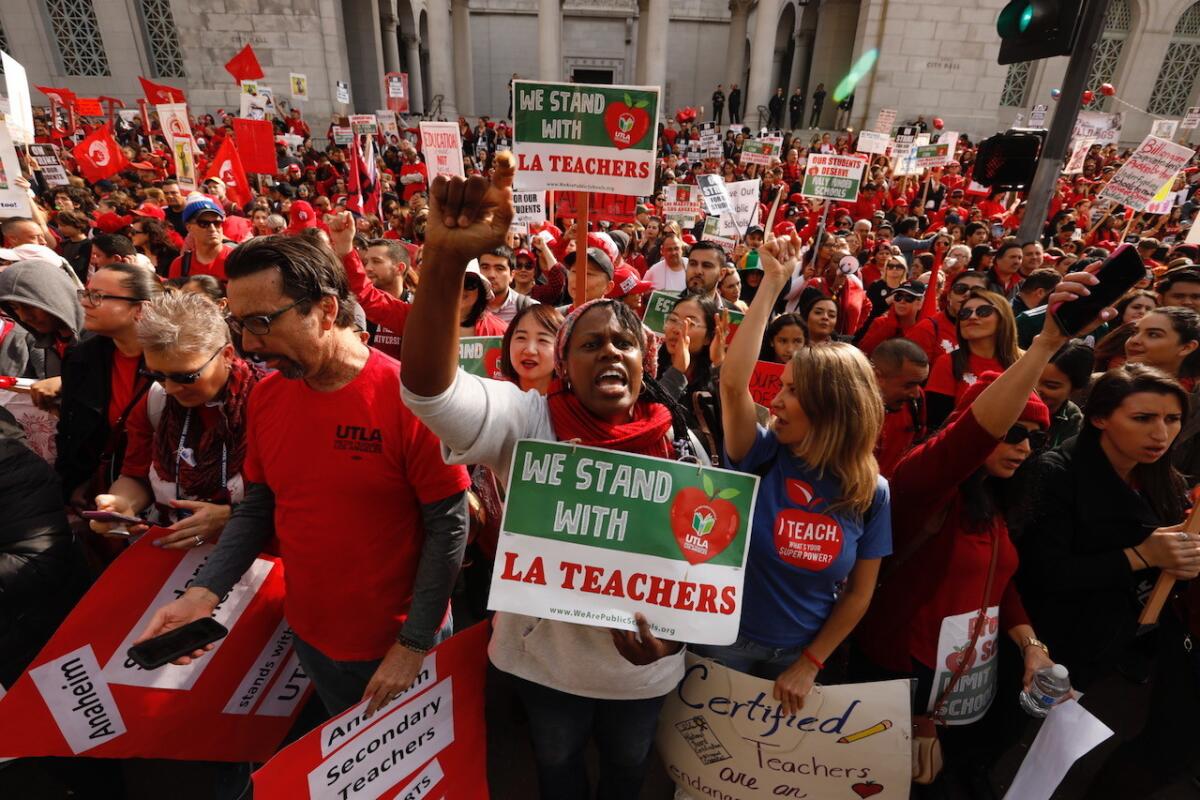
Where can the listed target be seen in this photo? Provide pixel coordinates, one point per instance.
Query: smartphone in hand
(184, 640)
(1117, 275)
(113, 517)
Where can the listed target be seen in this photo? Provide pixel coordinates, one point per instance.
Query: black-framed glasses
(260, 324)
(183, 378)
(982, 312)
(92, 298)
(1019, 433)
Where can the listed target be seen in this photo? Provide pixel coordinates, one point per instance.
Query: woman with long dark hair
(784, 336)
(152, 239)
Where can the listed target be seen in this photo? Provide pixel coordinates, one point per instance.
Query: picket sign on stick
(1164, 585)
(774, 207)
(581, 241)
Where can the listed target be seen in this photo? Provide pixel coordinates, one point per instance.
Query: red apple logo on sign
(491, 364)
(704, 521)
(98, 152)
(806, 539)
(626, 123)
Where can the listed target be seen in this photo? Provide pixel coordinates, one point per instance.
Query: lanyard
(179, 459)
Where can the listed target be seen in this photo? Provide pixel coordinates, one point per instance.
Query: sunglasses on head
(982, 312)
(1019, 433)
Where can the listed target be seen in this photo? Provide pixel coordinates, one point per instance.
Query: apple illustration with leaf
(866, 789)
(804, 538)
(961, 656)
(704, 521)
(491, 364)
(626, 123)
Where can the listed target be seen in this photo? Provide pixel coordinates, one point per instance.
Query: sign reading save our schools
(765, 382)
(833, 177)
(480, 355)
(721, 734)
(428, 742)
(592, 536)
(577, 137)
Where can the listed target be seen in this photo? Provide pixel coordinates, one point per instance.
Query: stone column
(416, 92)
(800, 64)
(549, 40)
(656, 45)
(464, 70)
(441, 58)
(640, 63)
(735, 56)
(391, 44)
(762, 53)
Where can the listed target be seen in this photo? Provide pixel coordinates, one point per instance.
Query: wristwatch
(1032, 642)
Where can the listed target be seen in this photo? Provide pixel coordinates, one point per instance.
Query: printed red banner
(616, 208)
(765, 382)
(227, 165)
(99, 156)
(89, 107)
(429, 743)
(83, 696)
(64, 97)
(256, 144)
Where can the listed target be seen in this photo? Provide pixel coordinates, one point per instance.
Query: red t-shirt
(349, 470)
(896, 438)
(216, 267)
(942, 381)
(138, 432)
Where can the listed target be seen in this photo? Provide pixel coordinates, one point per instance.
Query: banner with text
(441, 144)
(681, 204)
(833, 177)
(83, 695)
(743, 195)
(480, 355)
(429, 742)
(765, 382)
(602, 206)
(1153, 164)
(14, 200)
(722, 735)
(46, 157)
(584, 138)
(592, 536)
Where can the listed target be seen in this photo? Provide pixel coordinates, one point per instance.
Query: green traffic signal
(1015, 18)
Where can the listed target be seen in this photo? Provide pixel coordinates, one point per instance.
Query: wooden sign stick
(1162, 589)
(581, 235)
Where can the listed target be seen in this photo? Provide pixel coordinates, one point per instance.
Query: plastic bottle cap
(1059, 671)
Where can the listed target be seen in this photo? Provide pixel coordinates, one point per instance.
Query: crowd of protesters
(199, 353)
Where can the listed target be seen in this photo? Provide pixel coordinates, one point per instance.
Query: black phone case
(1117, 275)
(190, 637)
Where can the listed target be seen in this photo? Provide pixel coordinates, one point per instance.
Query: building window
(1016, 84)
(1177, 75)
(1117, 23)
(166, 60)
(78, 37)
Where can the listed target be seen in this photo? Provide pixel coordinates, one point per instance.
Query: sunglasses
(1019, 433)
(183, 378)
(519, 265)
(982, 312)
(207, 223)
(903, 298)
(962, 288)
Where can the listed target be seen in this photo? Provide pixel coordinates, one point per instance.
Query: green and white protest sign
(593, 536)
(830, 177)
(932, 155)
(578, 137)
(480, 355)
(659, 304)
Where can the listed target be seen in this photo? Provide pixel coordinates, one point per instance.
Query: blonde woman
(822, 515)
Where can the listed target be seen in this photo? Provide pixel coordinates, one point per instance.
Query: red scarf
(647, 434)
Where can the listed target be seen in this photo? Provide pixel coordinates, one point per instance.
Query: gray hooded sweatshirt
(24, 352)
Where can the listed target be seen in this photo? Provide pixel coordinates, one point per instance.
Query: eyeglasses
(676, 321)
(92, 298)
(183, 378)
(259, 325)
(1019, 433)
(207, 223)
(982, 312)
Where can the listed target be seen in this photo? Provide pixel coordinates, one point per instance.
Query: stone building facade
(935, 57)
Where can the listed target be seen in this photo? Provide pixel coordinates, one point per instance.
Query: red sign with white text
(83, 696)
(428, 743)
(616, 208)
(765, 382)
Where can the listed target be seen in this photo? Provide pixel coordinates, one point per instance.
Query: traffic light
(1007, 160)
(1033, 29)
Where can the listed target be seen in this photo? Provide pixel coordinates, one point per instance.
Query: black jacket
(735, 99)
(42, 571)
(83, 431)
(1076, 583)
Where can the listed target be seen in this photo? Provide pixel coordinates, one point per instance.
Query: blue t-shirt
(798, 552)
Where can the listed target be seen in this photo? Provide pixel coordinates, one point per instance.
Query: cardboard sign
(885, 120)
(20, 105)
(480, 355)
(744, 196)
(342, 136)
(1164, 128)
(342, 92)
(397, 92)
(46, 157)
(616, 208)
(14, 201)
(931, 155)
(592, 536)
(873, 142)
(1154, 163)
(714, 194)
(388, 125)
(183, 151)
(975, 690)
(712, 233)
(579, 137)
(429, 742)
(765, 382)
(82, 694)
(298, 84)
(833, 177)
(1191, 120)
(721, 734)
(759, 151)
(682, 204)
(364, 124)
(1103, 128)
(173, 118)
(531, 208)
(1037, 117)
(441, 145)
(1079, 155)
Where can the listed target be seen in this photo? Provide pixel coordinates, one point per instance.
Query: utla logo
(226, 173)
(704, 521)
(626, 123)
(804, 538)
(98, 152)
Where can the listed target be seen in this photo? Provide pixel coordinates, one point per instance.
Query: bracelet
(1033, 642)
(1140, 557)
(820, 664)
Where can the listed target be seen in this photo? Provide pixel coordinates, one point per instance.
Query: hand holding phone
(1116, 276)
(111, 517)
(175, 644)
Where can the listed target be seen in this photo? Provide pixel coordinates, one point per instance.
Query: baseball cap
(146, 165)
(597, 256)
(626, 281)
(150, 211)
(914, 289)
(199, 205)
(108, 222)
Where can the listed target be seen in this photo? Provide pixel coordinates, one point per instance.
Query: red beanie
(1035, 410)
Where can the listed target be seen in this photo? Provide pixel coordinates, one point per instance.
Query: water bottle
(1048, 687)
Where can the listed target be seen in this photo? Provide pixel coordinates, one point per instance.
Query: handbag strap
(980, 621)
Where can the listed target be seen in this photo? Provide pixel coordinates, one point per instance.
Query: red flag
(89, 107)
(161, 93)
(256, 142)
(99, 156)
(363, 185)
(228, 167)
(64, 97)
(244, 66)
